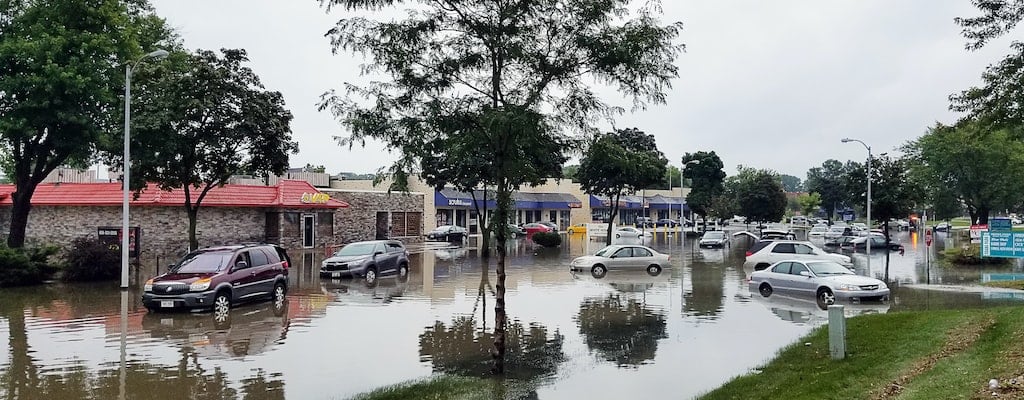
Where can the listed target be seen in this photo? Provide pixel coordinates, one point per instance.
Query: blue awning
(451, 198)
(656, 202)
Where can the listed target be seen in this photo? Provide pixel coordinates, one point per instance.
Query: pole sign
(976, 231)
(928, 238)
(1002, 244)
(111, 236)
(1000, 225)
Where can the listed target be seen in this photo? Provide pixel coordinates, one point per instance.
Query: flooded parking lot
(675, 335)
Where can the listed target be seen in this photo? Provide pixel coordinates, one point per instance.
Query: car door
(621, 258)
(642, 258)
(384, 262)
(778, 277)
(781, 252)
(801, 284)
(394, 253)
(241, 276)
(263, 272)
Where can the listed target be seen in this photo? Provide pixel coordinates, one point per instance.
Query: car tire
(279, 292)
(653, 270)
(403, 272)
(221, 306)
(826, 298)
(370, 276)
(598, 271)
(765, 290)
(617, 236)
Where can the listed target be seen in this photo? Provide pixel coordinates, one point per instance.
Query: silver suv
(368, 260)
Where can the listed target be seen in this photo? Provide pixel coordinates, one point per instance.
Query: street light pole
(682, 223)
(128, 69)
(868, 242)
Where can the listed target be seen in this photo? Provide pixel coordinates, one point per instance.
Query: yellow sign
(315, 198)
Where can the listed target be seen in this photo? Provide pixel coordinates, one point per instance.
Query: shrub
(547, 239)
(970, 255)
(22, 267)
(88, 259)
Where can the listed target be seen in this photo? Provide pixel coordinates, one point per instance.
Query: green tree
(514, 73)
(827, 182)
(791, 184)
(61, 72)
(893, 194)
(569, 172)
(319, 169)
(983, 169)
(204, 118)
(706, 174)
(998, 17)
(621, 162)
(760, 196)
(809, 203)
(998, 102)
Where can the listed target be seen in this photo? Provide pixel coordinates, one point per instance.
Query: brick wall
(359, 221)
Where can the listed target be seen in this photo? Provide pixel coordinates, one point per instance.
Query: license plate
(335, 274)
(167, 303)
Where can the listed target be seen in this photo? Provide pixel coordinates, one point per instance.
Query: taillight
(749, 253)
(284, 264)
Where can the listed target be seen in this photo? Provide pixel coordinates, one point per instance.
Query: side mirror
(611, 256)
(377, 253)
(805, 273)
(241, 264)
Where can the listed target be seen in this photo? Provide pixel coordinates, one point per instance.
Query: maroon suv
(218, 277)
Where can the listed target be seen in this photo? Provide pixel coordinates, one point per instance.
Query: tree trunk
(193, 213)
(485, 231)
(983, 213)
(504, 197)
(22, 200)
(611, 217)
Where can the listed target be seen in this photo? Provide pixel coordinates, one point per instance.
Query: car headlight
(323, 264)
(847, 287)
(200, 285)
(882, 285)
(148, 287)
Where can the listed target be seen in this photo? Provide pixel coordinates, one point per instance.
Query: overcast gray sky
(768, 84)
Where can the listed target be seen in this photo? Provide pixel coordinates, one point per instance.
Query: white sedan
(630, 232)
(622, 257)
(826, 281)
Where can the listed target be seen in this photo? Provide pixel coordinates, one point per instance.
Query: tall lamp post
(128, 69)
(682, 221)
(867, 242)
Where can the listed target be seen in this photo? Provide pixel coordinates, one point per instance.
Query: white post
(125, 171)
(837, 332)
(869, 208)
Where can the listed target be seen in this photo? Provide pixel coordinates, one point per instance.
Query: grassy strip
(949, 354)
(1019, 285)
(451, 387)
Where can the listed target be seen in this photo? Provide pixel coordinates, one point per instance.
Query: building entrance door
(308, 230)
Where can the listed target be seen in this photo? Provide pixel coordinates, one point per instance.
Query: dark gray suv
(368, 260)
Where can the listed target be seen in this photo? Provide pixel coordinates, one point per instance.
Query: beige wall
(416, 186)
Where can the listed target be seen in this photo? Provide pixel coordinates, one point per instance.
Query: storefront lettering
(575, 205)
(458, 202)
(315, 198)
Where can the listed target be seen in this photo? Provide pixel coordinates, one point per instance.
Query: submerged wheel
(765, 289)
(221, 306)
(598, 271)
(370, 276)
(826, 297)
(653, 270)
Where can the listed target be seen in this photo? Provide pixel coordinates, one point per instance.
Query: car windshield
(714, 235)
(607, 251)
(443, 228)
(356, 249)
(203, 263)
(828, 268)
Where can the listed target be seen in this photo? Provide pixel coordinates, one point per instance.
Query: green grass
(447, 387)
(912, 349)
(1019, 285)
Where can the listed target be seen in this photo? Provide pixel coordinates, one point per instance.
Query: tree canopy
(61, 73)
(618, 163)
(791, 184)
(515, 74)
(706, 174)
(759, 195)
(997, 18)
(827, 181)
(203, 118)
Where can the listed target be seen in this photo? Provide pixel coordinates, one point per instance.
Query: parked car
(713, 239)
(629, 232)
(942, 227)
(615, 257)
(218, 277)
(448, 233)
(644, 222)
(549, 224)
(817, 231)
(767, 252)
(516, 230)
(837, 231)
(671, 223)
(843, 242)
(877, 242)
(577, 228)
(827, 281)
(535, 227)
(367, 260)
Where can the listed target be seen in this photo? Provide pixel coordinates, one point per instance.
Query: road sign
(976, 231)
(1000, 225)
(1002, 244)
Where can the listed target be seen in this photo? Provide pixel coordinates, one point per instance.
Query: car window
(202, 263)
(605, 252)
(355, 249)
(272, 256)
(380, 248)
(395, 248)
(828, 268)
(258, 257)
(759, 245)
(782, 268)
(641, 252)
(803, 249)
(242, 256)
(786, 248)
(624, 252)
(796, 268)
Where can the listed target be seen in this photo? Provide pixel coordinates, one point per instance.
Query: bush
(547, 239)
(89, 259)
(22, 267)
(970, 255)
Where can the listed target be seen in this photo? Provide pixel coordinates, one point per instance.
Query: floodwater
(627, 335)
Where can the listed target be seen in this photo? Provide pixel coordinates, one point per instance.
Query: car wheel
(403, 272)
(765, 290)
(598, 271)
(221, 306)
(370, 276)
(826, 297)
(617, 236)
(279, 293)
(653, 270)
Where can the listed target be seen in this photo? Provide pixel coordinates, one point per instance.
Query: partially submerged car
(367, 260)
(767, 252)
(825, 281)
(713, 239)
(630, 257)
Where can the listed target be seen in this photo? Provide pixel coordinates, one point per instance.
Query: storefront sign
(315, 198)
(1002, 244)
(576, 205)
(459, 203)
(1000, 225)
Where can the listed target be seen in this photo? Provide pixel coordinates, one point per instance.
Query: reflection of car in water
(451, 254)
(808, 312)
(244, 330)
(347, 291)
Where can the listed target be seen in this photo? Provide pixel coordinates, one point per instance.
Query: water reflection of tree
(621, 330)
(463, 349)
(708, 294)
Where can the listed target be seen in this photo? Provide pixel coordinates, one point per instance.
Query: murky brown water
(675, 335)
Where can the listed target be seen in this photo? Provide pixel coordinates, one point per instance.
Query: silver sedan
(617, 256)
(826, 281)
